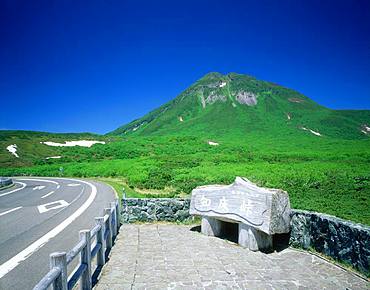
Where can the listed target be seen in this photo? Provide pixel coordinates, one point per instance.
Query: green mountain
(236, 105)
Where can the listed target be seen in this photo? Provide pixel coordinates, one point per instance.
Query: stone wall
(155, 209)
(340, 239)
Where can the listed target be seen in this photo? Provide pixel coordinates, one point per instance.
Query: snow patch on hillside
(181, 119)
(312, 131)
(82, 143)
(365, 129)
(213, 143)
(296, 100)
(222, 84)
(143, 123)
(13, 150)
(203, 101)
(289, 117)
(54, 157)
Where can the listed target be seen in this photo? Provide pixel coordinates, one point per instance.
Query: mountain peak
(237, 104)
(212, 75)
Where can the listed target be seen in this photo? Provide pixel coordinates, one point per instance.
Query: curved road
(39, 216)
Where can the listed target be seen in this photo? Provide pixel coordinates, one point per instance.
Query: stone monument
(260, 212)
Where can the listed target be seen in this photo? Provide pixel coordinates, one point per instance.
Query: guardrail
(105, 231)
(5, 181)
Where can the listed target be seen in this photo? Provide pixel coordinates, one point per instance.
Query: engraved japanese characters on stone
(265, 209)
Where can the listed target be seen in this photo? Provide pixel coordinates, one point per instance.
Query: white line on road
(39, 187)
(11, 210)
(42, 180)
(46, 195)
(74, 184)
(9, 192)
(23, 255)
(58, 186)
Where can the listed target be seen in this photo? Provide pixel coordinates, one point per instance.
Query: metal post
(114, 218)
(109, 224)
(59, 260)
(100, 240)
(86, 280)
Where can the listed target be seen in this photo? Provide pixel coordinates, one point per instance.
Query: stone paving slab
(168, 256)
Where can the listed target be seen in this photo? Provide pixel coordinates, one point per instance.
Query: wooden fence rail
(105, 231)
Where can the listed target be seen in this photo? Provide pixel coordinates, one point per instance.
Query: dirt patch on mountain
(213, 85)
(246, 98)
(212, 98)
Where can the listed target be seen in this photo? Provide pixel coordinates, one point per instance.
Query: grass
(121, 186)
(323, 175)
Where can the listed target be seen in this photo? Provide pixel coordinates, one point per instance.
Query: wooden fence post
(59, 260)
(108, 211)
(86, 279)
(100, 240)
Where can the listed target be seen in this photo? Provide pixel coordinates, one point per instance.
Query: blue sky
(73, 66)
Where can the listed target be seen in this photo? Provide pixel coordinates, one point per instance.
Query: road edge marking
(13, 262)
(73, 184)
(14, 190)
(42, 180)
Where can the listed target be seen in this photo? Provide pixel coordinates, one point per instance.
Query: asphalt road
(39, 216)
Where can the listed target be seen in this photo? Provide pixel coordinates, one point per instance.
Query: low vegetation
(322, 175)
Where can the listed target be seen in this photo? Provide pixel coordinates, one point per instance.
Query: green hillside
(236, 105)
(221, 127)
(30, 149)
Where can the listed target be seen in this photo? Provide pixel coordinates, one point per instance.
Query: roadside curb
(7, 186)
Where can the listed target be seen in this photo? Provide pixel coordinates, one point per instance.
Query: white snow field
(213, 143)
(13, 150)
(312, 131)
(53, 157)
(82, 143)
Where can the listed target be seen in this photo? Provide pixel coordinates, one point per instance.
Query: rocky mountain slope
(236, 105)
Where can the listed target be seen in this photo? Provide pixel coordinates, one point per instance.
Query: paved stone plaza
(168, 256)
